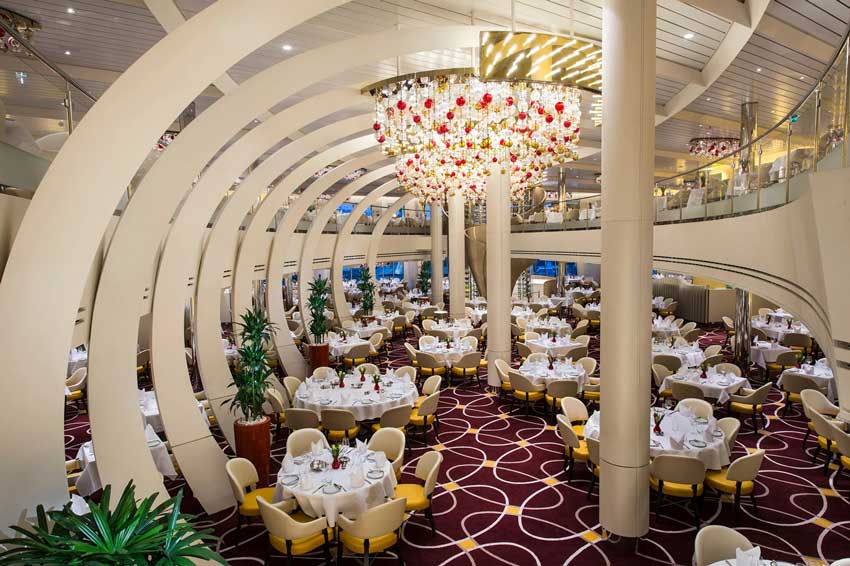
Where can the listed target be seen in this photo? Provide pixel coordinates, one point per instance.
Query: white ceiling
(104, 37)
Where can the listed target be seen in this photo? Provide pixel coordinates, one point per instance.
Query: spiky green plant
(317, 302)
(424, 279)
(133, 533)
(367, 290)
(255, 334)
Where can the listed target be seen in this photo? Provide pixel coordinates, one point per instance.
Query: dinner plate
(367, 401)
(678, 377)
(717, 433)
(330, 489)
(395, 395)
(724, 382)
(324, 402)
(701, 420)
(289, 480)
(375, 474)
(698, 443)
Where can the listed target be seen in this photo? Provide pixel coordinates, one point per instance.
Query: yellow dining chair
(418, 497)
(242, 476)
(296, 534)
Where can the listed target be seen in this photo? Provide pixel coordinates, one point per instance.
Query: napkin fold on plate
(750, 557)
(677, 440)
(316, 448)
(360, 446)
(79, 506)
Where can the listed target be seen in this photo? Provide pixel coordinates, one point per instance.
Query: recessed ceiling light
(688, 35)
(802, 77)
(287, 47)
(708, 99)
(700, 125)
(67, 53)
(758, 69)
(71, 11)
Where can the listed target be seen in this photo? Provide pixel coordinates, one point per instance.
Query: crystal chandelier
(451, 126)
(712, 146)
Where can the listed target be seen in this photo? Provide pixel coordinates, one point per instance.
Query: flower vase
(377, 387)
(341, 383)
(362, 377)
(703, 375)
(335, 464)
(657, 430)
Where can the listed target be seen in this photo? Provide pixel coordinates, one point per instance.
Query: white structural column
(628, 141)
(457, 257)
(498, 271)
(436, 253)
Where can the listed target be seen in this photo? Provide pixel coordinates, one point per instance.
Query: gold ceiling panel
(540, 57)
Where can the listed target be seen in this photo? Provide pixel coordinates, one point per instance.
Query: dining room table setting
(367, 395)
(714, 384)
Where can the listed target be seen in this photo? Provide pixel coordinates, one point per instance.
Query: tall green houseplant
(367, 290)
(424, 279)
(129, 533)
(255, 334)
(317, 302)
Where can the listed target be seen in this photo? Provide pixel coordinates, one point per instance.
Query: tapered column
(498, 271)
(457, 257)
(436, 253)
(741, 351)
(628, 142)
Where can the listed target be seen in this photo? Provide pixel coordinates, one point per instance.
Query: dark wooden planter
(253, 442)
(318, 355)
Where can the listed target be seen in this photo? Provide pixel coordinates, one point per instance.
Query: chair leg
(753, 501)
(659, 496)
(805, 438)
(338, 550)
(737, 502)
(366, 552)
(430, 514)
(326, 548)
(696, 508)
(817, 453)
(592, 484)
(238, 527)
(572, 463)
(828, 458)
(787, 405)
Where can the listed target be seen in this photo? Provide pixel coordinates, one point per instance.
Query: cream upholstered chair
(697, 406)
(524, 390)
(826, 439)
(426, 414)
(798, 342)
(816, 401)
(339, 424)
(502, 369)
(357, 355)
(466, 367)
(369, 369)
(76, 384)
(677, 476)
(378, 345)
(685, 328)
(428, 323)
(431, 385)
(682, 390)
(750, 402)
(713, 350)
(538, 358)
(711, 361)
(758, 334)
(574, 448)
(418, 497)
(579, 330)
(301, 441)
(730, 427)
(783, 361)
(523, 351)
(692, 335)
(408, 371)
(294, 535)
(792, 385)
(531, 336)
(429, 364)
(659, 374)
(374, 531)
(729, 326)
(673, 363)
(412, 354)
(558, 390)
(576, 352)
(737, 479)
(279, 404)
(593, 459)
(677, 322)
(728, 368)
(681, 341)
(576, 412)
(716, 543)
(242, 476)
(842, 443)
(417, 332)
(765, 311)
(391, 441)
(291, 385)
(298, 419)
(588, 364)
(470, 342)
(323, 372)
(397, 417)
(584, 340)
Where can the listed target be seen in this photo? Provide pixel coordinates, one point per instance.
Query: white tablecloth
(457, 330)
(367, 331)
(778, 330)
(477, 314)
(541, 374)
(339, 348)
(150, 410)
(715, 385)
(820, 374)
(362, 400)
(714, 454)
(522, 312)
(664, 329)
(76, 360)
(557, 348)
(448, 354)
(550, 325)
(691, 357)
(89, 480)
(478, 301)
(350, 500)
(657, 302)
(764, 353)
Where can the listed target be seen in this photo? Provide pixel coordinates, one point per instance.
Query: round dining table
(356, 396)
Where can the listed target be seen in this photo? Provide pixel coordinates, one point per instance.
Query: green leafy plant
(317, 302)
(255, 334)
(133, 533)
(424, 279)
(367, 290)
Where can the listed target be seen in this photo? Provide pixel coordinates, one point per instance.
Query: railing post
(758, 180)
(788, 164)
(846, 102)
(816, 145)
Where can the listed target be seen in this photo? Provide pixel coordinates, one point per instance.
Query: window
(572, 268)
(345, 208)
(545, 267)
(390, 270)
(350, 273)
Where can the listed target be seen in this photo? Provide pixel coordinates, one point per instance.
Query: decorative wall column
(436, 253)
(498, 271)
(457, 257)
(741, 351)
(628, 142)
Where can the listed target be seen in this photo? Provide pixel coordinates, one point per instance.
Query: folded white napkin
(360, 446)
(708, 435)
(747, 557)
(677, 440)
(316, 448)
(79, 506)
(288, 463)
(306, 482)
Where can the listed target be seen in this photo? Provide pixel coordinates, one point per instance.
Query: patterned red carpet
(503, 496)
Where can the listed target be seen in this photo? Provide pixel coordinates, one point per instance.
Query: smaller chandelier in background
(23, 25)
(712, 147)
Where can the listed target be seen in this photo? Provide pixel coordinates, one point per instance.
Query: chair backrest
(584, 340)
(712, 361)
(538, 357)
(338, 419)
(427, 360)
(730, 427)
(417, 333)
(379, 520)
(410, 316)
(428, 324)
(713, 350)
(370, 369)
(519, 382)
(301, 441)
(758, 334)
(281, 525)
(143, 357)
(728, 368)
(409, 371)
(573, 409)
(291, 385)
(77, 378)
(660, 373)
(276, 400)
(685, 328)
(531, 335)
(797, 339)
(429, 404)
(576, 352)
(728, 323)
(324, 373)
(411, 352)
(428, 468)
(522, 322)
(348, 324)
(568, 435)
(681, 341)
(376, 339)
(672, 363)
(677, 468)
(745, 468)
(470, 342)
(677, 322)
(692, 335)
(797, 383)
(816, 401)
(765, 311)
(396, 417)
(523, 350)
(821, 425)
(759, 396)
(592, 450)
(297, 419)
(588, 364)
(562, 388)
(241, 473)
(359, 351)
(579, 330)
(425, 341)
(389, 440)
(787, 359)
(716, 543)
(469, 360)
(432, 384)
(502, 368)
(696, 405)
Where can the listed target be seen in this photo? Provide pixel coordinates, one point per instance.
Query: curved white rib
(380, 226)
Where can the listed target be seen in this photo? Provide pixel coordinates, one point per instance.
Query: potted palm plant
(252, 430)
(367, 293)
(424, 279)
(129, 532)
(317, 303)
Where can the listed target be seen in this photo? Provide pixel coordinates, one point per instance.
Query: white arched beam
(380, 226)
(340, 246)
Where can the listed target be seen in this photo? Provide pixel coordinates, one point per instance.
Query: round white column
(628, 147)
(457, 257)
(436, 253)
(498, 234)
